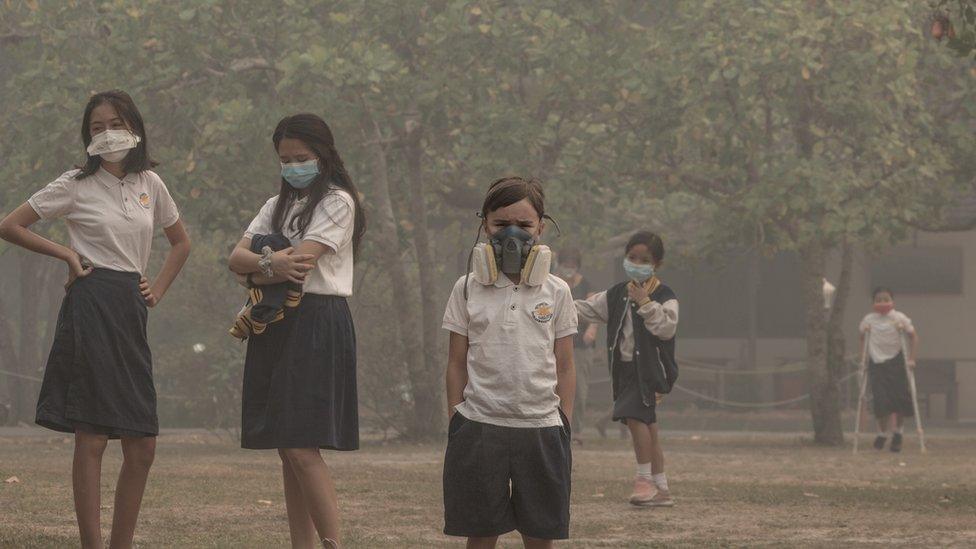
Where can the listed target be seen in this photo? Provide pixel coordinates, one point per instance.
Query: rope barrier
(39, 380)
(685, 363)
(22, 376)
(786, 369)
(736, 404)
(790, 367)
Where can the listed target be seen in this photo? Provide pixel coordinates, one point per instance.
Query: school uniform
(642, 360)
(508, 460)
(300, 372)
(886, 366)
(99, 372)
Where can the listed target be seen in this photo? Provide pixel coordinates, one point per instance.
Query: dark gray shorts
(499, 479)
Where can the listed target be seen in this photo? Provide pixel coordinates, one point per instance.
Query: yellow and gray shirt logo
(542, 312)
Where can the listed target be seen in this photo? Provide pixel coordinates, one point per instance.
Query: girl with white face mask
(98, 383)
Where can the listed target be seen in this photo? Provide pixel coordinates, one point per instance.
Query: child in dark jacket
(641, 315)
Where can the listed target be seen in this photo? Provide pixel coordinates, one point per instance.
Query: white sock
(661, 481)
(644, 471)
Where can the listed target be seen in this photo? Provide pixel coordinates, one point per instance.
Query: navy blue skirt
(300, 379)
(99, 373)
(889, 387)
(629, 403)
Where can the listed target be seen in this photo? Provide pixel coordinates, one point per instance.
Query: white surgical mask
(113, 145)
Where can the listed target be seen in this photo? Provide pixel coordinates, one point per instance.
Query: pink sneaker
(662, 498)
(644, 491)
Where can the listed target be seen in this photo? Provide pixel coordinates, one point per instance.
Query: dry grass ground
(732, 489)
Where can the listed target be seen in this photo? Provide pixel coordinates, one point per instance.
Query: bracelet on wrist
(265, 262)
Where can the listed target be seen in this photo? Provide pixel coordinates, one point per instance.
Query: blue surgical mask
(300, 174)
(638, 272)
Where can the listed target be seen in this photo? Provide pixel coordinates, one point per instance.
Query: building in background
(933, 276)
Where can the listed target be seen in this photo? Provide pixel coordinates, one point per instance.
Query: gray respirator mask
(511, 247)
(511, 251)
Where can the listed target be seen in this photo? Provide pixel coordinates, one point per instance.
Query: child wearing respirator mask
(641, 315)
(510, 379)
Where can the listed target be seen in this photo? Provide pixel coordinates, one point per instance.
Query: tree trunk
(751, 389)
(426, 389)
(836, 343)
(407, 342)
(27, 351)
(9, 362)
(824, 395)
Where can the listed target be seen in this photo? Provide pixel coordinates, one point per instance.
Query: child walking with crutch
(890, 365)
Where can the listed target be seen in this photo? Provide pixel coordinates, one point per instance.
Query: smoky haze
(773, 148)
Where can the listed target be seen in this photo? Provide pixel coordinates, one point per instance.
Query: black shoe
(896, 443)
(879, 442)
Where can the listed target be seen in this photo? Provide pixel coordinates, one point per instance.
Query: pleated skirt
(99, 373)
(300, 379)
(890, 392)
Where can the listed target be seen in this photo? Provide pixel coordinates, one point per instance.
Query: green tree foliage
(797, 125)
(955, 22)
(807, 122)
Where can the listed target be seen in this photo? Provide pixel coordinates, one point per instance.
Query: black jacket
(265, 304)
(657, 368)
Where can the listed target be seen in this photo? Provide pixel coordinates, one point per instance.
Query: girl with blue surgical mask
(300, 373)
(641, 315)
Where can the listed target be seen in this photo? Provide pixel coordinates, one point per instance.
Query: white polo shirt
(884, 342)
(331, 224)
(511, 363)
(110, 220)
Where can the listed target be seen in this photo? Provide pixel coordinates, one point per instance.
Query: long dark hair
(138, 159)
(311, 130)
